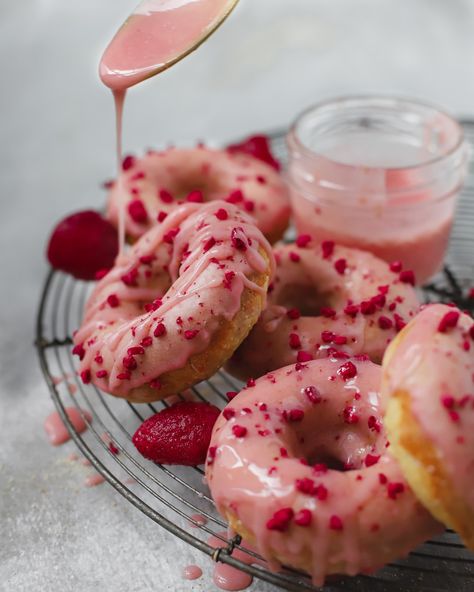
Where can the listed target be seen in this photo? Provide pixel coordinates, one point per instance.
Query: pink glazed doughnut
(176, 306)
(299, 465)
(154, 184)
(429, 377)
(326, 298)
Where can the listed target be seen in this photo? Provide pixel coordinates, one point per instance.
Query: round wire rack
(176, 497)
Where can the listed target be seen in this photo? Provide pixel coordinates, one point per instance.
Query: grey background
(270, 60)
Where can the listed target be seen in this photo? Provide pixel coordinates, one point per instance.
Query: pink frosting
(265, 467)
(310, 277)
(155, 183)
(163, 301)
(435, 365)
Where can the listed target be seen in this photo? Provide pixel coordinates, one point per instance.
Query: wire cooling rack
(176, 497)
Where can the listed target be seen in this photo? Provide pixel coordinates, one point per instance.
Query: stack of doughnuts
(353, 439)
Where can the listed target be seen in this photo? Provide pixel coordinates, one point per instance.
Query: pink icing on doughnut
(156, 182)
(163, 300)
(433, 363)
(274, 476)
(325, 299)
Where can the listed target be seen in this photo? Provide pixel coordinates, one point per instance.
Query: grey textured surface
(271, 59)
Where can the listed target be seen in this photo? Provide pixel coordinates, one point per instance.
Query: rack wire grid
(175, 497)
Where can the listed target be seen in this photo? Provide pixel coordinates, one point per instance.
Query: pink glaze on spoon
(192, 572)
(158, 34)
(56, 430)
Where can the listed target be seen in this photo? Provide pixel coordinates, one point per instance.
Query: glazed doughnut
(326, 298)
(176, 306)
(429, 377)
(152, 186)
(269, 471)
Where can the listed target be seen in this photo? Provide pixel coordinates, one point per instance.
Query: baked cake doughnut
(299, 465)
(175, 307)
(152, 186)
(326, 299)
(429, 376)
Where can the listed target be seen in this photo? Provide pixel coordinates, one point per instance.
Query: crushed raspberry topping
(238, 239)
(78, 350)
(395, 489)
(113, 301)
(313, 394)
(293, 313)
(294, 341)
(190, 333)
(258, 147)
(303, 240)
(231, 395)
(137, 211)
(293, 415)
(335, 523)
(129, 363)
(102, 374)
(170, 235)
(228, 413)
(407, 277)
(448, 321)
(179, 434)
(235, 196)
(130, 278)
(303, 517)
(385, 323)
(327, 248)
(374, 424)
(351, 310)
(128, 162)
(340, 266)
(161, 216)
(347, 371)
(165, 196)
(303, 356)
(280, 520)
(136, 350)
(86, 376)
(221, 214)
(371, 459)
(239, 431)
(396, 266)
(350, 415)
(294, 257)
(195, 197)
(328, 312)
(160, 330)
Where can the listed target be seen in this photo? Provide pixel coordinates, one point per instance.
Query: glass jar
(380, 174)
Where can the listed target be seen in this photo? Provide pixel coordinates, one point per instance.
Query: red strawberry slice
(83, 244)
(178, 435)
(258, 147)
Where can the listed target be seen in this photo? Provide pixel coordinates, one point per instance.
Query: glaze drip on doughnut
(326, 300)
(299, 465)
(429, 377)
(155, 184)
(167, 299)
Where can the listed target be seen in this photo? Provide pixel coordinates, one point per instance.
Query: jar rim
(384, 100)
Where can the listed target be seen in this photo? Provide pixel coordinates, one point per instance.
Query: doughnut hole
(305, 297)
(329, 438)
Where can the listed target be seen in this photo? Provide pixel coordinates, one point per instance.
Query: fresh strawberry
(258, 147)
(177, 435)
(83, 244)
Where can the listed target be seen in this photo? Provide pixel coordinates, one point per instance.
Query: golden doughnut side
(224, 342)
(423, 468)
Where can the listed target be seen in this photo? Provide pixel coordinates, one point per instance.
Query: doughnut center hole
(305, 297)
(327, 458)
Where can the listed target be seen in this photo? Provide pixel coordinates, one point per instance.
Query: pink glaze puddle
(56, 430)
(192, 572)
(227, 577)
(85, 462)
(198, 520)
(94, 480)
(73, 457)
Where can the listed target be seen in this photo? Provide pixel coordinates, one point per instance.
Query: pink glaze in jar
(380, 174)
